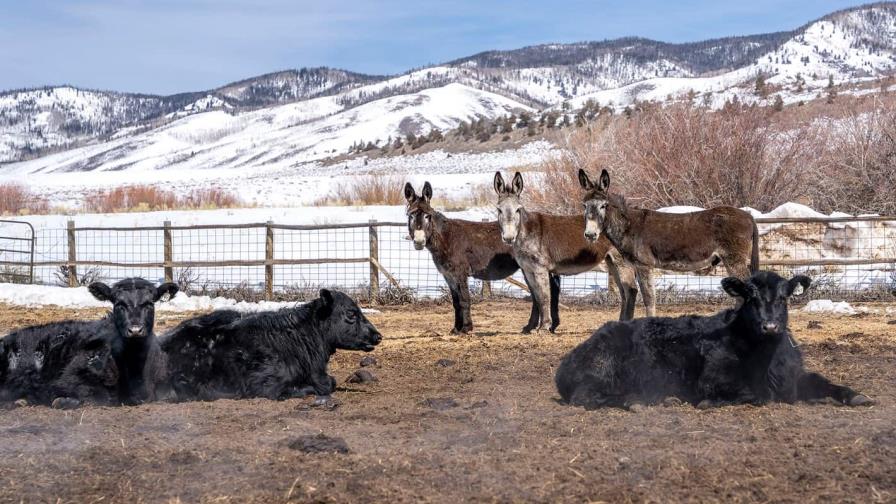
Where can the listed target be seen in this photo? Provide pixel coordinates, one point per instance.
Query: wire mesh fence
(848, 258)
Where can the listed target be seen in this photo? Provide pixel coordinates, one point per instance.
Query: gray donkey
(545, 244)
(462, 249)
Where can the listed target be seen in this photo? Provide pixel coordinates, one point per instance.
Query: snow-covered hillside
(286, 119)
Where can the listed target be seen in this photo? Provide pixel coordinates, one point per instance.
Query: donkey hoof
(65, 403)
(527, 330)
(860, 400)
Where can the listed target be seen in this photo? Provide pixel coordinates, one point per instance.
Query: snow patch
(828, 306)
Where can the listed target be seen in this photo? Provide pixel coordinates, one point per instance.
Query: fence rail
(848, 256)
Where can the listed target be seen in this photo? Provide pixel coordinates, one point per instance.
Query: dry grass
(140, 198)
(366, 190)
(17, 199)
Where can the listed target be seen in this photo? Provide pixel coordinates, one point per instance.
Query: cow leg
(814, 387)
(645, 284)
(555, 302)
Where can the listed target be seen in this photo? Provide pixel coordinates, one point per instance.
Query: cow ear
(327, 296)
(735, 287)
(427, 192)
(604, 180)
(168, 288)
(584, 181)
(517, 184)
(798, 285)
(409, 193)
(101, 291)
(499, 183)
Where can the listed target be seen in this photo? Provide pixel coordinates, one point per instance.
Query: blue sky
(169, 46)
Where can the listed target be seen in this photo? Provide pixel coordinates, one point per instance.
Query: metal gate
(16, 252)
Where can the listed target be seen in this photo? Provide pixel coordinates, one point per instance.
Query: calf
(80, 360)
(277, 355)
(741, 355)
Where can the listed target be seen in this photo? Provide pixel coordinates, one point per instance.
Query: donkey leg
(535, 314)
(463, 294)
(539, 281)
(555, 302)
(645, 283)
(455, 303)
(625, 277)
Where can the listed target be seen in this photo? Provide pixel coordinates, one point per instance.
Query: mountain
(848, 46)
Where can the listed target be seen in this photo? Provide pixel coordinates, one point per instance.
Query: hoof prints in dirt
(362, 376)
(319, 443)
(440, 403)
(445, 363)
(325, 403)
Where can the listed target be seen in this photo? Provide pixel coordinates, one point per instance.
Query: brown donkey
(545, 245)
(462, 249)
(678, 242)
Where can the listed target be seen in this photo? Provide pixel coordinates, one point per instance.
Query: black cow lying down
(278, 355)
(742, 355)
(112, 360)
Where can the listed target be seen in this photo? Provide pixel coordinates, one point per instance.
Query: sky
(170, 46)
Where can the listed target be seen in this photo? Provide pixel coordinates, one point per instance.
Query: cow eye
(350, 318)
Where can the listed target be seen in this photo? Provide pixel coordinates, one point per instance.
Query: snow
(828, 306)
(36, 296)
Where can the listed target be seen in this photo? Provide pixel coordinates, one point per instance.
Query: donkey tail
(754, 256)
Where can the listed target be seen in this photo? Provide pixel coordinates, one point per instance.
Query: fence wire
(847, 259)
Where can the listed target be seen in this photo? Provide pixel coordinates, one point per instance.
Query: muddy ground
(470, 418)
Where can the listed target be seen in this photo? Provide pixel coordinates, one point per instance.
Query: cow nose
(769, 327)
(376, 337)
(135, 331)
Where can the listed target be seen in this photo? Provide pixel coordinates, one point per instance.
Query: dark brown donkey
(462, 249)
(545, 245)
(678, 242)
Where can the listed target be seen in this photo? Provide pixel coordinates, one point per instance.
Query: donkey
(545, 244)
(678, 242)
(461, 249)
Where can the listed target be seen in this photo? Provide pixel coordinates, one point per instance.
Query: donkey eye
(428, 217)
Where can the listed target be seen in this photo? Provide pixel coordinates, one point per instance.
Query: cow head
(595, 201)
(133, 304)
(764, 300)
(510, 207)
(419, 214)
(343, 324)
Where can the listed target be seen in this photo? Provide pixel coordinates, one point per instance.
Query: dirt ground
(471, 418)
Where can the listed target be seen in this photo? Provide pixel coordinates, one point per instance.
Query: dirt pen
(474, 418)
(851, 258)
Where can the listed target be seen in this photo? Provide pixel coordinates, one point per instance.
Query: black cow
(277, 355)
(115, 359)
(741, 355)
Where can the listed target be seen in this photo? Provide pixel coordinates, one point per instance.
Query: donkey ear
(100, 291)
(499, 183)
(409, 193)
(735, 287)
(584, 181)
(798, 285)
(517, 187)
(604, 180)
(166, 288)
(427, 191)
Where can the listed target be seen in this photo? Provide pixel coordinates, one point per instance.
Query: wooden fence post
(168, 252)
(374, 261)
(72, 256)
(486, 285)
(269, 261)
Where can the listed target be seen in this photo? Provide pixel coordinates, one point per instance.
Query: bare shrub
(858, 173)
(86, 277)
(14, 275)
(367, 190)
(683, 155)
(17, 199)
(139, 198)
